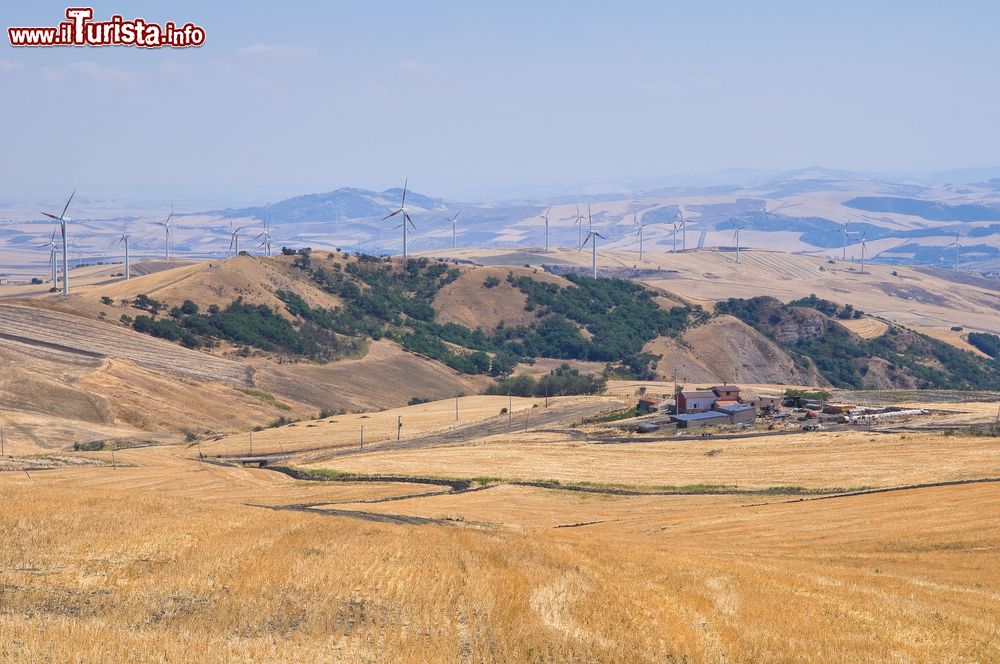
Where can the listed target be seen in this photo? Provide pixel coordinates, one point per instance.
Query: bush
(563, 381)
(107, 301)
(987, 343)
(491, 282)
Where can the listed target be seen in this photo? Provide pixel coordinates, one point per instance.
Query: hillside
(809, 330)
(484, 298)
(292, 335)
(727, 350)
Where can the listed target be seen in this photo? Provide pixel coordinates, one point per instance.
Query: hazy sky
(289, 97)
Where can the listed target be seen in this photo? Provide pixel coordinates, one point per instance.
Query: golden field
(169, 558)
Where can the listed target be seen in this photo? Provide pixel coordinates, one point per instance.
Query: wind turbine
(864, 246)
(958, 249)
(234, 238)
(679, 220)
(265, 243)
(62, 219)
(845, 239)
(737, 236)
(640, 227)
(454, 227)
(406, 215)
(592, 235)
(124, 240)
(166, 232)
(578, 222)
(545, 218)
(53, 251)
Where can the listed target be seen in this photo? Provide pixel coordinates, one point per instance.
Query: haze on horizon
(465, 97)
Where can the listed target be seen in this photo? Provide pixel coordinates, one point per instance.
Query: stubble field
(168, 557)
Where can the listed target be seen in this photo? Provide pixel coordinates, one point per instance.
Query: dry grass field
(342, 431)
(100, 564)
(821, 460)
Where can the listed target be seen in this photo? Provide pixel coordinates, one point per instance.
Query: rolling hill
(252, 340)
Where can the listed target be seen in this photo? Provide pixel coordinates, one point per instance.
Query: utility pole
(510, 409)
(996, 424)
(251, 442)
(456, 408)
(113, 465)
(1, 441)
(362, 436)
(399, 426)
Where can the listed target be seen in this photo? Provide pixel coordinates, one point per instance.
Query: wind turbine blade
(599, 235)
(405, 183)
(66, 207)
(52, 216)
(392, 214)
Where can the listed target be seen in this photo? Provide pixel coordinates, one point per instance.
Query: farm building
(727, 393)
(650, 404)
(697, 420)
(695, 401)
(739, 413)
(768, 403)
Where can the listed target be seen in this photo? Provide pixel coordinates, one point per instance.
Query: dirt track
(540, 418)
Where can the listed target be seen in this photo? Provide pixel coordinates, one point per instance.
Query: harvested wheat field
(817, 461)
(125, 575)
(341, 431)
(526, 537)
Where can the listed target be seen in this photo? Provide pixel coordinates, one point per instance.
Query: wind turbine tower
(846, 237)
(864, 247)
(53, 248)
(578, 222)
(640, 227)
(679, 220)
(958, 249)
(454, 228)
(124, 240)
(265, 238)
(406, 215)
(545, 218)
(234, 238)
(167, 232)
(62, 219)
(592, 235)
(737, 236)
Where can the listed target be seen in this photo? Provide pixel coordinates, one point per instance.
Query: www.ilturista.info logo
(80, 30)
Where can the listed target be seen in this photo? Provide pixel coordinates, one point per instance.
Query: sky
(468, 98)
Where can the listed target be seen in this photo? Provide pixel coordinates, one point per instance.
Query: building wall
(698, 404)
(698, 424)
(748, 416)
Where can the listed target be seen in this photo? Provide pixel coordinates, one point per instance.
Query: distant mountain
(338, 205)
(930, 210)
